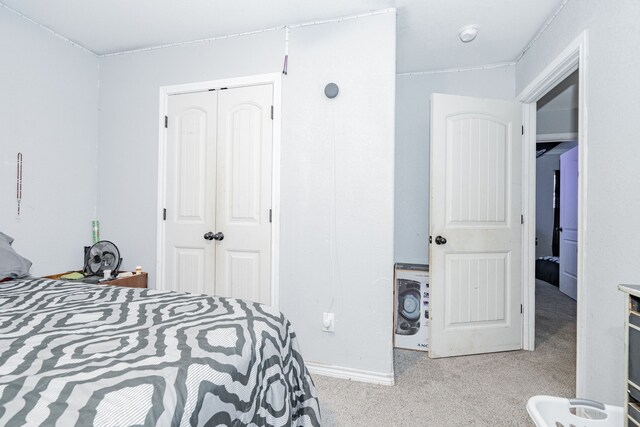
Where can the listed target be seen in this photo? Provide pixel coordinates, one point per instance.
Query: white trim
(458, 70)
(272, 78)
(557, 137)
(248, 33)
(542, 30)
(529, 227)
(573, 57)
(350, 374)
(205, 40)
(559, 69)
(500, 64)
(189, 42)
(162, 184)
(276, 79)
(47, 29)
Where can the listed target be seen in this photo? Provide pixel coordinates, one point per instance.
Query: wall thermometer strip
(19, 181)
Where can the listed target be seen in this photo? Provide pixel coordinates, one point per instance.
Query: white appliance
(411, 312)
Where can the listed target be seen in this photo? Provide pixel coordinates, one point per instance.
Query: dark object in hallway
(555, 242)
(548, 269)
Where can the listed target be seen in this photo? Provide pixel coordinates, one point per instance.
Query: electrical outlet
(328, 322)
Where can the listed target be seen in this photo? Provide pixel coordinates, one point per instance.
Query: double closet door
(218, 193)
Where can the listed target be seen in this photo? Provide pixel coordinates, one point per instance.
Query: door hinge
(523, 129)
(270, 215)
(166, 121)
(272, 112)
(164, 214)
(522, 219)
(521, 309)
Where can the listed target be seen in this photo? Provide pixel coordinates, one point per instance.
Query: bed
(74, 354)
(548, 269)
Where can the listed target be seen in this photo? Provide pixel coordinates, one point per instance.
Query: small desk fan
(103, 255)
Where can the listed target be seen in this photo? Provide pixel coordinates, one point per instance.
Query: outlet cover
(328, 322)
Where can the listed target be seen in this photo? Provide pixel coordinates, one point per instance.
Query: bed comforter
(74, 354)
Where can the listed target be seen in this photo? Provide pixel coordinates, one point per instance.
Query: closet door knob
(440, 240)
(210, 236)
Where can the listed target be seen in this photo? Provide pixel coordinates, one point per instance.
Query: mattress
(548, 269)
(74, 354)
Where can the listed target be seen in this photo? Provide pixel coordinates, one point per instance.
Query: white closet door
(190, 192)
(475, 225)
(245, 132)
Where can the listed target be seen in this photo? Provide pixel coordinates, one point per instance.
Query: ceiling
(427, 35)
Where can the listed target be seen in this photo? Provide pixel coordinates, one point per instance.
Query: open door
(569, 223)
(475, 226)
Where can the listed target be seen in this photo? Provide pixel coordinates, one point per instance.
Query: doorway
(556, 234)
(219, 189)
(557, 186)
(572, 59)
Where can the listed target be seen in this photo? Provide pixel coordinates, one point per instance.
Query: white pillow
(12, 265)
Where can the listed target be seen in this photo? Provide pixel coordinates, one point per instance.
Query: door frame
(165, 91)
(572, 58)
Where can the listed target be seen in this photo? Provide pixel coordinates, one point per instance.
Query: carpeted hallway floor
(482, 390)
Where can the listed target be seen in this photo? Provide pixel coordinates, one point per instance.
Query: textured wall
(412, 146)
(337, 190)
(49, 112)
(129, 105)
(336, 228)
(612, 196)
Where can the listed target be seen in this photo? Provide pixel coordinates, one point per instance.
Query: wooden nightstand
(135, 281)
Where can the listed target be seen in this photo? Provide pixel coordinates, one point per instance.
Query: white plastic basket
(550, 411)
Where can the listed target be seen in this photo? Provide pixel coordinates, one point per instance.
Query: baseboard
(350, 373)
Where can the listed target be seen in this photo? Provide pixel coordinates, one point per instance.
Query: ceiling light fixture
(468, 33)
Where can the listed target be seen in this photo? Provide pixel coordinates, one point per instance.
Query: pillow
(12, 265)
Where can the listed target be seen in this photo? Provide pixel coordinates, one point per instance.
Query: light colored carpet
(482, 390)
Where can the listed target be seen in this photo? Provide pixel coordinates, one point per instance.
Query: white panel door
(190, 191)
(475, 208)
(245, 132)
(569, 222)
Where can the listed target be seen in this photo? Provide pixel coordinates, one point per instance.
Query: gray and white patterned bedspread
(74, 354)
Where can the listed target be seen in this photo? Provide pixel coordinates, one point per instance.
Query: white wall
(359, 55)
(412, 146)
(128, 149)
(612, 195)
(49, 99)
(558, 109)
(557, 121)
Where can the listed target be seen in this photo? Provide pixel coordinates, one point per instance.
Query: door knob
(210, 236)
(440, 240)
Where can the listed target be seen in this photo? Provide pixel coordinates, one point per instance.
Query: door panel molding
(274, 79)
